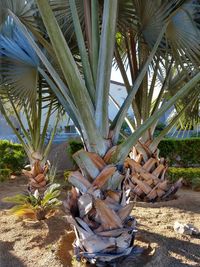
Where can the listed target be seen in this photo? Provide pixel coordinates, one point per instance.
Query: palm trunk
(98, 209)
(148, 181)
(38, 174)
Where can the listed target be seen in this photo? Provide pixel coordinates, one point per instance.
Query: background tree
(171, 67)
(23, 88)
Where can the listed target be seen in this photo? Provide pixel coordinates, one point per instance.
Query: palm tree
(148, 181)
(169, 70)
(97, 207)
(24, 92)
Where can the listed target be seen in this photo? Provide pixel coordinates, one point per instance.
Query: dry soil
(49, 243)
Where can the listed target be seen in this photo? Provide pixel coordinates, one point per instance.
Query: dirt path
(25, 244)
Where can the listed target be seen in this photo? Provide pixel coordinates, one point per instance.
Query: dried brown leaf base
(99, 211)
(37, 176)
(147, 180)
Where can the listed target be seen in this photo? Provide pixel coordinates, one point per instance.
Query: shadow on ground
(56, 228)
(7, 258)
(170, 246)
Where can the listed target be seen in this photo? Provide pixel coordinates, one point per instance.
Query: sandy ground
(41, 244)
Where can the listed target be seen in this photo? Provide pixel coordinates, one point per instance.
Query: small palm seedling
(36, 206)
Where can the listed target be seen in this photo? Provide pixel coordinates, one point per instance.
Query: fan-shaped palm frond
(182, 32)
(19, 67)
(63, 14)
(24, 9)
(175, 50)
(24, 88)
(190, 119)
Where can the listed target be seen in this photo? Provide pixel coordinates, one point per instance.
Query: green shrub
(12, 156)
(5, 174)
(181, 152)
(178, 152)
(72, 147)
(159, 127)
(191, 176)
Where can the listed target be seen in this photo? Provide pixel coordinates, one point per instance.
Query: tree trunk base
(99, 212)
(107, 259)
(147, 180)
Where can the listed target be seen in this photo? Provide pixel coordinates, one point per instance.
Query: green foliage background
(181, 152)
(12, 156)
(191, 176)
(178, 152)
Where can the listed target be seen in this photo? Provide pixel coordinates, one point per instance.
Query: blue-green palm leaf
(18, 66)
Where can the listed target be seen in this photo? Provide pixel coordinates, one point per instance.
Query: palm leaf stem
(106, 50)
(152, 86)
(19, 120)
(117, 122)
(88, 30)
(159, 138)
(4, 113)
(65, 58)
(83, 52)
(124, 148)
(127, 85)
(66, 103)
(159, 98)
(45, 128)
(30, 125)
(47, 149)
(39, 113)
(95, 37)
(74, 80)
